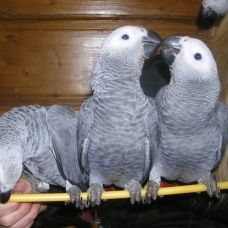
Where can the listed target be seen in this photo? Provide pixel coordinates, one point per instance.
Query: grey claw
(134, 189)
(211, 184)
(87, 202)
(96, 191)
(143, 200)
(67, 203)
(82, 204)
(218, 193)
(93, 204)
(75, 195)
(152, 191)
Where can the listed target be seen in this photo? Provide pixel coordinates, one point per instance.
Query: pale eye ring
(198, 56)
(125, 37)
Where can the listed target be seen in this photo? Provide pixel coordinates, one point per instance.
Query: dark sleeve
(189, 210)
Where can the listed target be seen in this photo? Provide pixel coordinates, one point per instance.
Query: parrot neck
(120, 76)
(187, 88)
(188, 104)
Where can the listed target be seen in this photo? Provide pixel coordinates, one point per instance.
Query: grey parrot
(193, 124)
(117, 125)
(39, 144)
(213, 8)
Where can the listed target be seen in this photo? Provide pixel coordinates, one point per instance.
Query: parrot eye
(198, 56)
(125, 37)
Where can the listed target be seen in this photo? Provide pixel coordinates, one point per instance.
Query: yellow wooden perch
(57, 197)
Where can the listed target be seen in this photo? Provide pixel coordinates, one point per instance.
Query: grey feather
(62, 126)
(84, 126)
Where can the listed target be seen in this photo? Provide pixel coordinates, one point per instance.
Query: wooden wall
(48, 47)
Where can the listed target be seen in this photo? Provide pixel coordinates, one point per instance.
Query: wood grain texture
(115, 9)
(48, 48)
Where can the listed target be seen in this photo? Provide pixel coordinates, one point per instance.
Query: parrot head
(189, 55)
(130, 43)
(213, 8)
(123, 53)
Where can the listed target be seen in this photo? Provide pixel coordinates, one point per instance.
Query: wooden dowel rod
(58, 197)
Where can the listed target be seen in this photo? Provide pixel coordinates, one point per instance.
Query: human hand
(20, 215)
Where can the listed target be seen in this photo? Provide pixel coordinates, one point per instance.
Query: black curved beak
(151, 43)
(170, 48)
(207, 12)
(4, 196)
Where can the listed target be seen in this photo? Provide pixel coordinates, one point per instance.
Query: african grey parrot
(41, 141)
(193, 124)
(117, 125)
(213, 8)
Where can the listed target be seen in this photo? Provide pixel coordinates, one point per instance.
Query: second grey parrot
(117, 126)
(41, 142)
(213, 8)
(193, 124)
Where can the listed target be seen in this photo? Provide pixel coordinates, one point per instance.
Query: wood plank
(102, 25)
(48, 62)
(115, 9)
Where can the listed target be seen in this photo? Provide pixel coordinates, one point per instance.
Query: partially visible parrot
(117, 127)
(193, 124)
(213, 8)
(39, 144)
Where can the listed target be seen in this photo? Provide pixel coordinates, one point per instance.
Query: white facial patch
(126, 36)
(196, 54)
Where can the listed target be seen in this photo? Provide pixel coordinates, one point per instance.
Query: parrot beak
(4, 196)
(170, 48)
(150, 43)
(207, 12)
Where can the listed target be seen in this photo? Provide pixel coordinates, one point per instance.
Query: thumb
(23, 186)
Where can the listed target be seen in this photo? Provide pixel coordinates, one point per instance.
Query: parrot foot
(152, 190)
(75, 196)
(37, 185)
(134, 189)
(95, 191)
(211, 184)
(42, 186)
